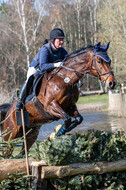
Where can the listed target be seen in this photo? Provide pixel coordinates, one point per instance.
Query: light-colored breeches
(31, 71)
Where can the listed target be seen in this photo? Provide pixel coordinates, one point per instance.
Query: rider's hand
(58, 64)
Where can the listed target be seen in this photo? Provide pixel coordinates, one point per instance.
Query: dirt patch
(92, 107)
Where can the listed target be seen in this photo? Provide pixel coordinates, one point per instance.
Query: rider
(49, 56)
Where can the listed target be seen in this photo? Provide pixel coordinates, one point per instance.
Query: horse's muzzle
(112, 84)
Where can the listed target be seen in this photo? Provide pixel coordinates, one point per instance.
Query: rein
(99, 74)
(67, 68)
(76, 72)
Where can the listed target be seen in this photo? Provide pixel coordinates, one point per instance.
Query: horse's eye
(98, 61)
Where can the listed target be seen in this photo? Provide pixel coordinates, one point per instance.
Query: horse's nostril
(112, 84)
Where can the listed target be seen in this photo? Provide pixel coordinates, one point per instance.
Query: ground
(92, 107)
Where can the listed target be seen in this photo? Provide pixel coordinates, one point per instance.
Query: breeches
(31, 71)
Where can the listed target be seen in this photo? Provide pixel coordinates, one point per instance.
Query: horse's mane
(81, 50)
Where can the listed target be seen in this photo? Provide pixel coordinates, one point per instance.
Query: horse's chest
(70, 96)
(68, 99)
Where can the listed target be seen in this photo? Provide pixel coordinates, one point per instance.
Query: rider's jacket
(47, 55)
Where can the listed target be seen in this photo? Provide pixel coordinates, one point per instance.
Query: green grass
(93, 99)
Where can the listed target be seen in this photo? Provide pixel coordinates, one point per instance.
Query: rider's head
(57, 36)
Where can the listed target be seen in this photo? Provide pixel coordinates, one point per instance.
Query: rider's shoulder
(46, 46)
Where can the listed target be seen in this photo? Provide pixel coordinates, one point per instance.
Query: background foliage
(24, 24)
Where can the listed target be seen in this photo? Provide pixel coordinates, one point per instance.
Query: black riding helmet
(56, 33)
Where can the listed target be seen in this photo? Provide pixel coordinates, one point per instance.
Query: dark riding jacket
(47, 55)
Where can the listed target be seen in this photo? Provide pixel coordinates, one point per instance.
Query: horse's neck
(75, 69)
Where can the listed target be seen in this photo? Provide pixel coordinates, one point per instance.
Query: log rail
(46, 172)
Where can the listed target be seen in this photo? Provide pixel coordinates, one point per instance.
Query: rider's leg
(21, 96)
(25, 88)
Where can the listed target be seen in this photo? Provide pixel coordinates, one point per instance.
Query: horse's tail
(3, 110)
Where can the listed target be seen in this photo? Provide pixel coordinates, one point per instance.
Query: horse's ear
(97, 46)
(106, 46)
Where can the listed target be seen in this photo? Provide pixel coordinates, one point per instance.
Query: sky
(3, 1)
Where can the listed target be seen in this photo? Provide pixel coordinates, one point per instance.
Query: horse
(58, 93)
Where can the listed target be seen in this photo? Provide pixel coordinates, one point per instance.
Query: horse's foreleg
(78, 118)
(55, 110)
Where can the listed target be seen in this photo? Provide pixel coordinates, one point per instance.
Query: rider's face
(58, 43)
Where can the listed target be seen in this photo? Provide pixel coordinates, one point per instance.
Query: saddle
(33, 97)
(35, 89)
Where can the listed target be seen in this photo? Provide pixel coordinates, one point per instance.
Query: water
(92, 120)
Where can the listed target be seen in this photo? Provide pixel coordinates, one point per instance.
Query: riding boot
(24, 92)
(21, 97)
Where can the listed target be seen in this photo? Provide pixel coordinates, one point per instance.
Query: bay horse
(59, 93)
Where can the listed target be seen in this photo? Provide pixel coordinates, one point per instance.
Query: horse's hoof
(57, 128)
(52, 136)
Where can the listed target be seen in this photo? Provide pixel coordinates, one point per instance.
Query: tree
(20, 25)
(112, 21)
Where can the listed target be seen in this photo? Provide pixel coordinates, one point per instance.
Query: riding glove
(58, 64)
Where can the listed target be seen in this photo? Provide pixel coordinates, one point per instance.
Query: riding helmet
(56, 33)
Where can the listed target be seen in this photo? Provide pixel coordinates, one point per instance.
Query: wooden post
(25, 142)
(39, 183)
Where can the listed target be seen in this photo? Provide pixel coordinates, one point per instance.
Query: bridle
(99, 74)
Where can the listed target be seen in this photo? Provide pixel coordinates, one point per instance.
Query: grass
(93, 99)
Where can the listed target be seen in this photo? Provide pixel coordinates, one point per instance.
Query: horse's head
(100, 66)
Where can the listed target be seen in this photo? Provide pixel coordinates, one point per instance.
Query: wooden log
(45, 172)
(8, 166)
(82, 168)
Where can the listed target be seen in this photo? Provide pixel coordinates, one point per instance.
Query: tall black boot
(21, 97)
(24, 92)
